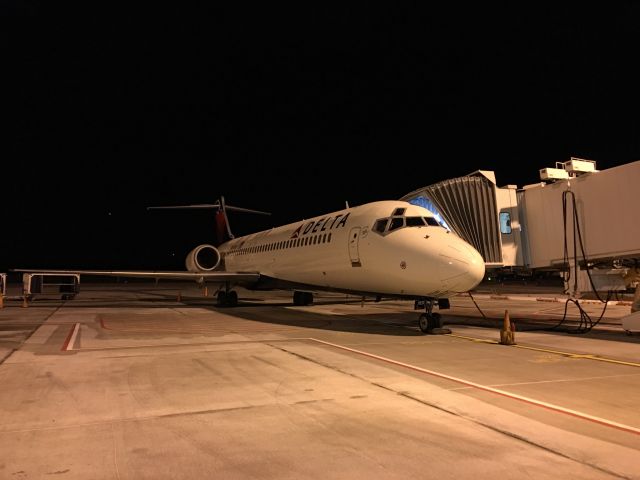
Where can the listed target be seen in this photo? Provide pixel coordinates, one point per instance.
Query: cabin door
(354, 255)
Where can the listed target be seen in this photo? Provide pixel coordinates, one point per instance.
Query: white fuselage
(352, 250)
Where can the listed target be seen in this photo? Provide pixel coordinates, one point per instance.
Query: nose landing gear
(429, 320)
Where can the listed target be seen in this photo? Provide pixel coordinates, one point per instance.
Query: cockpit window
(396, 222)
(380, 225)
(415, 222)
(384, 226)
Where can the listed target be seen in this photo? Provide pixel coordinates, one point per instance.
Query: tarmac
(127, 382)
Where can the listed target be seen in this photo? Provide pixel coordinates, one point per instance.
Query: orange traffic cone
(507, 332)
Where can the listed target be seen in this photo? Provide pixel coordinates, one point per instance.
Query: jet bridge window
(505, 222)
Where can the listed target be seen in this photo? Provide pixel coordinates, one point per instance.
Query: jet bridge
(577, 220)
(479, 212)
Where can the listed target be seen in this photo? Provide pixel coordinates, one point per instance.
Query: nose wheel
(429, 320)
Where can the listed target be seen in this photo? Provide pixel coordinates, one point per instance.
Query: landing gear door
(354, 255)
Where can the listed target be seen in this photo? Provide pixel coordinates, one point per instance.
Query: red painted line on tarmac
(531, 401)
(72, 335)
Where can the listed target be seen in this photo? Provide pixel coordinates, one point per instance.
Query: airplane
(390, 249)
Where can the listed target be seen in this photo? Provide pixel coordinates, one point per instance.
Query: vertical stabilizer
(223, 231)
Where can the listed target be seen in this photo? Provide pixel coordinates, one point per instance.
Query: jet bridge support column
(3, 288)
(635, 306)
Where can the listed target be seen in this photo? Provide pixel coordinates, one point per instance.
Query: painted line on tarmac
(579, 355)
(198, 344)
(473, 339)
(546, 299)
(549, 350)
(71, 338)
(504, 393)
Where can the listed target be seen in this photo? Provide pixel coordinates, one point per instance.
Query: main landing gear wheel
(302, 298)
(227, 299)
(428, 321)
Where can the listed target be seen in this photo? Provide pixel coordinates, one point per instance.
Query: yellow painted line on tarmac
(549, 350)
(473, 339)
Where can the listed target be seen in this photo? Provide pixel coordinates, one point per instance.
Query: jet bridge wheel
(428, 321)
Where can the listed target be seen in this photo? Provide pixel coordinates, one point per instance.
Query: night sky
(289, 110)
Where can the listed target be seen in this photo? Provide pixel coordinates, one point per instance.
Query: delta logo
(321, 225)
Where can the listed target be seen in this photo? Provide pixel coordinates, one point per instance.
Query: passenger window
(396, 223)
(415, 222)
(380, 225)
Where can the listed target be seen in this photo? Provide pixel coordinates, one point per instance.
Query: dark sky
(290, 110)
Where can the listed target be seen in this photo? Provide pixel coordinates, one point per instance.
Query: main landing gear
(429, 320)
(227, 297)
(302, 298)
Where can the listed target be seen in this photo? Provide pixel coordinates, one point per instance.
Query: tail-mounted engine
(203, 258)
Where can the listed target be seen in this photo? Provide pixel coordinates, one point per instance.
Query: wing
(199, 276)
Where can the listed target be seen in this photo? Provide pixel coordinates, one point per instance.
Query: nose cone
(461, 266)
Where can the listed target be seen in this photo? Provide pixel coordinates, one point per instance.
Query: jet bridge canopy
(467, 206)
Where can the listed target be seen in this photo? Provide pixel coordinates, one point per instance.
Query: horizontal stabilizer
(209, 206)
(223, 231)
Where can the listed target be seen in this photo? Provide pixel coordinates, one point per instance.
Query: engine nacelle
(203, 258)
